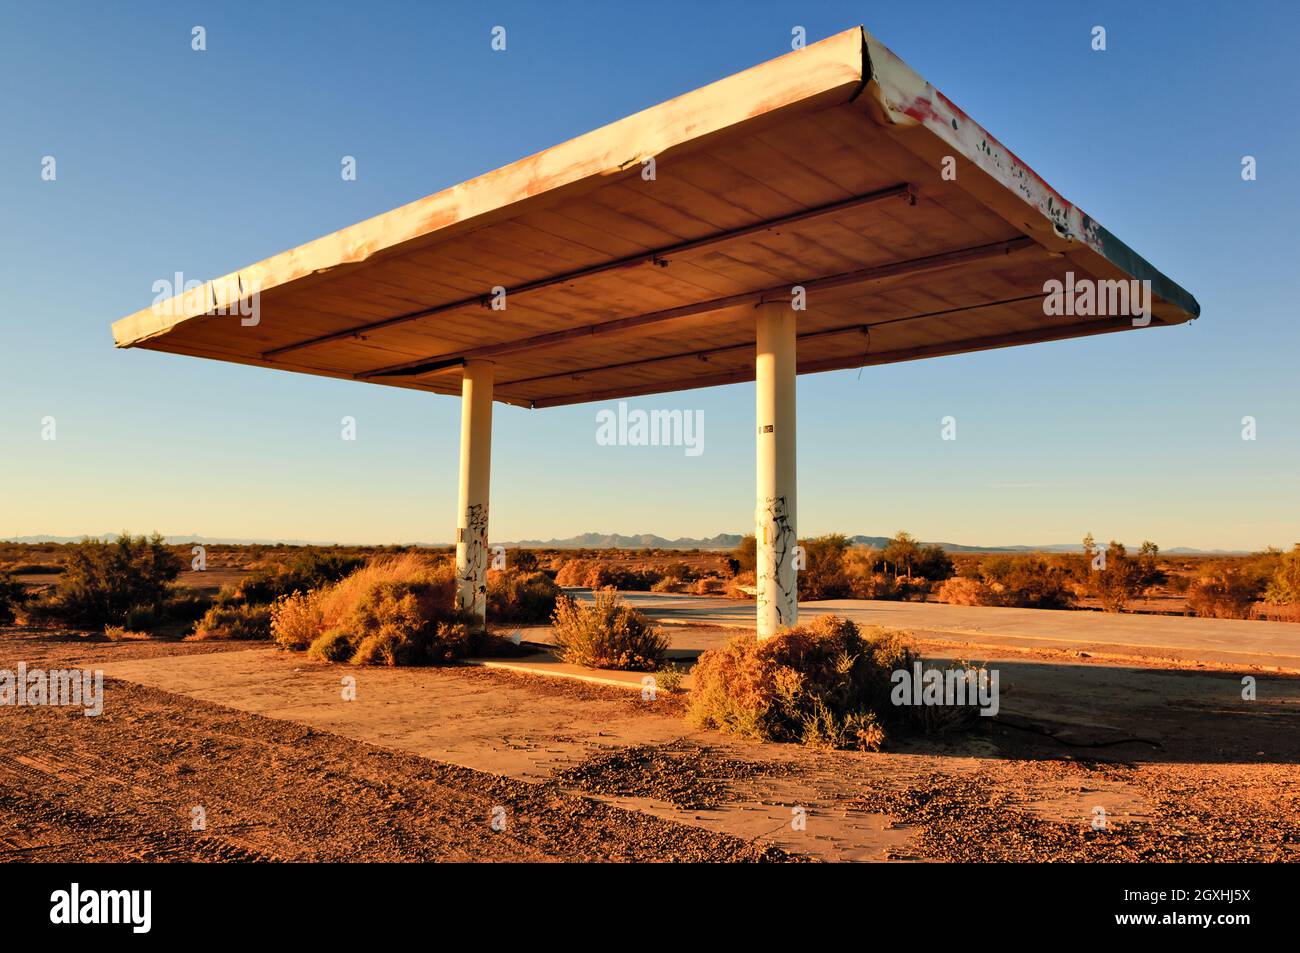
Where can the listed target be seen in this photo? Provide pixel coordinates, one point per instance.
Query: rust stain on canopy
(822, 168)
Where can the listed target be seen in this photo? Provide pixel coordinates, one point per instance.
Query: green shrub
(669, 677)
(104, 583)
(607, 633)
(1026, 581)
(1284, 586)
(234, 622)
(822, 576)
(308, 570)
(822, 683)
(378, 648)
(515, 597)
(333, 645)
(187, 606)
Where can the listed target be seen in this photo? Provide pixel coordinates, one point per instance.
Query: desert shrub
(822, 576)
(602, 576)
(669, 677)
(333, 645)
(668, 584)
(520, 597)
(234, 622)
(397, 608)
(932, 563)
(523, 560)
(964, 591)
(308, 570)
(875, 586)
(572, 572)
(607, 633)
(296, 621)
(1118, 579)
(823, 683)
(102, 583)
(1148, 571)
(678, 572)
(710, 586)
(187, 606)
(860, 562)
(1225, 591)
(12, 595)
(745, 579)
(1284, 586)
(745, 555)
(1025, 581)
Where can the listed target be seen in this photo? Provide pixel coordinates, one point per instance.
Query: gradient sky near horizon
(174, 160)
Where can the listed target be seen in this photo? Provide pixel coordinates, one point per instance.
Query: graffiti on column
(474, 575)
(776, 515)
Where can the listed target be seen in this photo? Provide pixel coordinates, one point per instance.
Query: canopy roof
(823, 168)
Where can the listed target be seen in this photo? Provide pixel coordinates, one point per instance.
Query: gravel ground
(686, 775)
(124, 786)
(1185, 768)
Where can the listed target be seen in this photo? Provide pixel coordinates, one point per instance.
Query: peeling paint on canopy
(900, 96)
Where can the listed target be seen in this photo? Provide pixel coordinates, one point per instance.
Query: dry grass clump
(233, 622)
(117, 633)
(395, 611)
(607, 633)
(518, 597)
(823, 683)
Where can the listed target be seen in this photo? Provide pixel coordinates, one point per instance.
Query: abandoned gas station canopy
(834, 169)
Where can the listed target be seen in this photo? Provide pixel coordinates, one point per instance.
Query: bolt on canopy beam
(774, 518)
(475, 466)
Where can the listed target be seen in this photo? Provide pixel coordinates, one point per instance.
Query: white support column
(475, 464)
(774, 527)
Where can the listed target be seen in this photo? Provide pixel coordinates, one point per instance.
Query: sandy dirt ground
(1174, 761)
(125, 785)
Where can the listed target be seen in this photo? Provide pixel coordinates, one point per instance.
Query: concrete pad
(546, 664)
(527, 732)
(701, 622)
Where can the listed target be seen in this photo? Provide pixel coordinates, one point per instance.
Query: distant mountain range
(722, 541)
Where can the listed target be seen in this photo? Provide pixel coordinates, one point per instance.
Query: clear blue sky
(173, 160)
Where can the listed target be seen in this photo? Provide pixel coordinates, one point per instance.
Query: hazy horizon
(218, 539)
